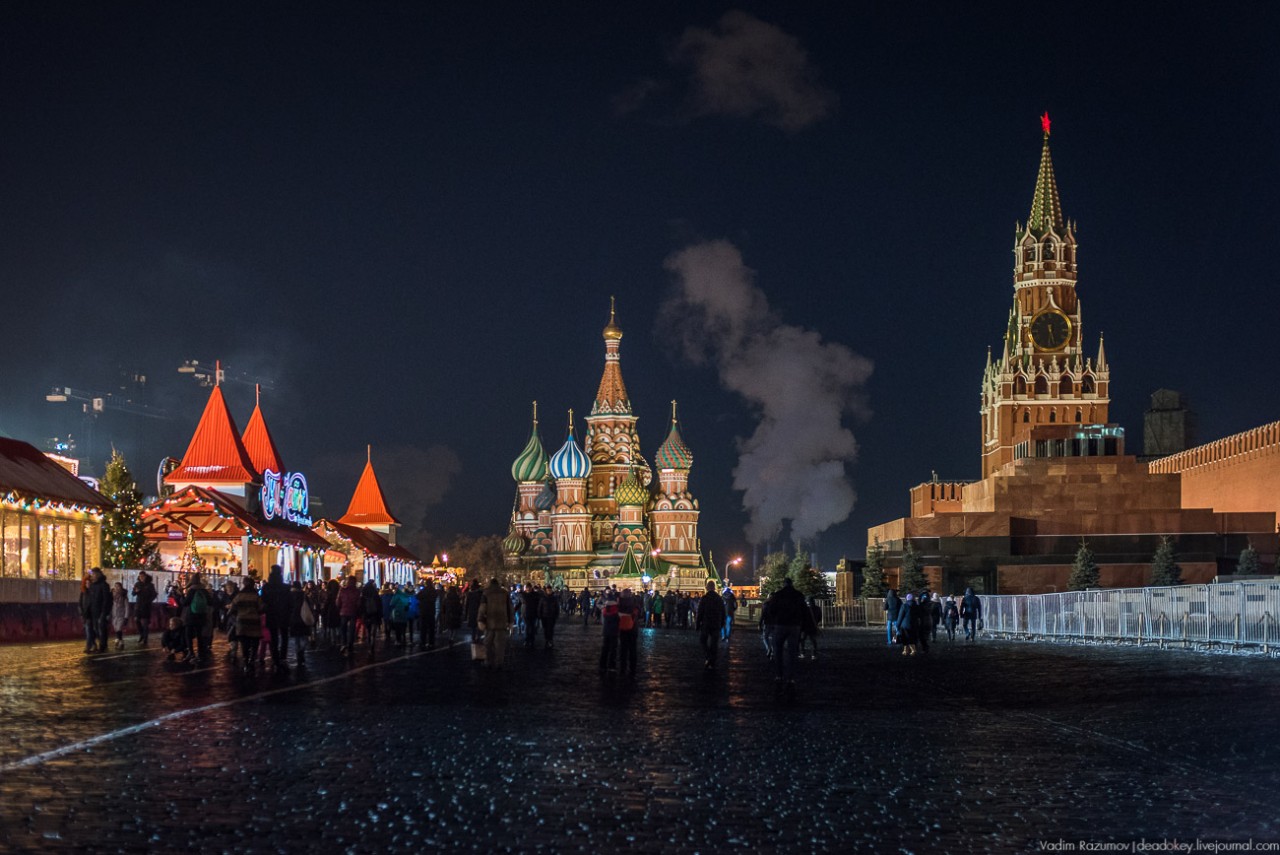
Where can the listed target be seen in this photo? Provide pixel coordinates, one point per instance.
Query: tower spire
(1046, 207)
(535, 414)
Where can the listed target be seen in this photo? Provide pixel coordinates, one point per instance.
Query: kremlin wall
(1056, 472)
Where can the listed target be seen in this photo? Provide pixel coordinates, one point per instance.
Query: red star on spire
(1044, 122)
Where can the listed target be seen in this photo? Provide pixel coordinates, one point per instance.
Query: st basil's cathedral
(592, 514)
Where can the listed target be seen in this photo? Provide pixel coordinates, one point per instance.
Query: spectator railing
(857, 613)
(1234, 614)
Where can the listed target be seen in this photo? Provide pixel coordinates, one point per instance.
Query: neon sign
(285, 496)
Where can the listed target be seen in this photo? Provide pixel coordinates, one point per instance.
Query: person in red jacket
(349, 612)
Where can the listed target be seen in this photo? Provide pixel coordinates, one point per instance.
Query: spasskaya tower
(1042, 375)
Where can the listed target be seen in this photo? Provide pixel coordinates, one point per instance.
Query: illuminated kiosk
(235, 500)
(50, 520)
(363, 541)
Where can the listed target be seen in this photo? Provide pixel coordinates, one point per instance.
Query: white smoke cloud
(793, 467)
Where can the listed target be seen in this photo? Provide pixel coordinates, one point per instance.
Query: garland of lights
(15, 502)
(258, 539)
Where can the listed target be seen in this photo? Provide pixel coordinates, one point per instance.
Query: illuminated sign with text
(285, 496)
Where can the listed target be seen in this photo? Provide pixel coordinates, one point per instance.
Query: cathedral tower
(674, 515)
(570, 518)
(1042, 375)
(611, 443)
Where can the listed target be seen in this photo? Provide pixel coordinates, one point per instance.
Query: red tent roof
(368, 506)
(259, 444)
(216, 454)
(27, 474)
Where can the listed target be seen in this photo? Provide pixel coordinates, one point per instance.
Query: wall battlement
(1252, 442)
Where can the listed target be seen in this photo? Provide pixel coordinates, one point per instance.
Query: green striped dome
(514, 543)
(673, 453)
(531, 465)
(630, 492)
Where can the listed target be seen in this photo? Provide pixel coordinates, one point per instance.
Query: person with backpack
(398, 614)
(609, 628)
(950, 617)
(656, 607)
(196, 607)
(530, 600)
(710, 624)
(302, 617)
(144, 594)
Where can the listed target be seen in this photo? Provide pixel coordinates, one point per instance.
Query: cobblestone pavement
(974, 748)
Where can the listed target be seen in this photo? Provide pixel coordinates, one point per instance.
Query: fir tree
(1084, 572)
(1248, 564)
(1164, 566)
(772, 571)
(873, 581)
(811, 582)
(123, 544)
(911, 578)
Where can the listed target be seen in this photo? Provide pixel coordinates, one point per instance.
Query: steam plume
(793, 466)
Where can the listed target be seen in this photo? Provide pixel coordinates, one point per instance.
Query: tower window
(1048, 249)
(1029, 254)
(1086, 385)
(1042, 385)
(1053, 415)
(1020, 385)
(1065, 386)
(1079, 416)
(1026, 416)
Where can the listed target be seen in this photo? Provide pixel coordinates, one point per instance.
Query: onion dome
(612, 332)
(569, 461)
(673, 453)
(514, 543)
(546, 498)
(531, 465)
(630, 492)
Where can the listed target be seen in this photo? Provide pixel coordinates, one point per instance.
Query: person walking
(197, 607)
(96, 609)
(495, 618)
(710, 624)
(371, 612)
(609, 629)
(791, 618)
(891, 607)
(277, 605)
(530, 601)
(548, 614)
(906, 622)
(766, 627)
(119, 612)
(144, 594)
(246, 611)
(427, 614)
(970, 613)
(950, 617)
(921, 622)
(630, 614)
(398, 615)
(730, 609)
(809, 634)
(451, 613)
(584, 605)
(299, 627)
(935, 615)
(348, 606)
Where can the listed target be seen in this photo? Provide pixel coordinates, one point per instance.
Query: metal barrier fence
(18, 590)
(1239, 614)
(857, 613)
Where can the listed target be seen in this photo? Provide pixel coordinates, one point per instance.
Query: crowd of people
(912, 621)
(259, 621)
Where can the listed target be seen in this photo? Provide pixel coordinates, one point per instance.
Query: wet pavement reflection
(974, 748)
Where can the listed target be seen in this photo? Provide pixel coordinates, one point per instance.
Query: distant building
(1168, 426)
(1055, 471)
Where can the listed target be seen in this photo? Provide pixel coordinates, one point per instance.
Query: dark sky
(410, 217)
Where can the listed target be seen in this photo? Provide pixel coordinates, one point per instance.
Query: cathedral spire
(1046, 208)
(611, 397)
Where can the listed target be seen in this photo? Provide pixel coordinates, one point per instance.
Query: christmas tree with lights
(123, 544)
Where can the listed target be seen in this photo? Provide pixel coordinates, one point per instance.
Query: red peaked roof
(368, 506)
(216, 454)
(259, 444)
(370, 542)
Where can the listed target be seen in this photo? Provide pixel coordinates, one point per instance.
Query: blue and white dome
(569, 461)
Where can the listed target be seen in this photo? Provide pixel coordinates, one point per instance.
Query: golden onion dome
(612, 332)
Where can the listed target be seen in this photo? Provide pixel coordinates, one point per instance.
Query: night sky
(410, 218)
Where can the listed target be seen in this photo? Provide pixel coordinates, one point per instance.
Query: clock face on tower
(1050, 330)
